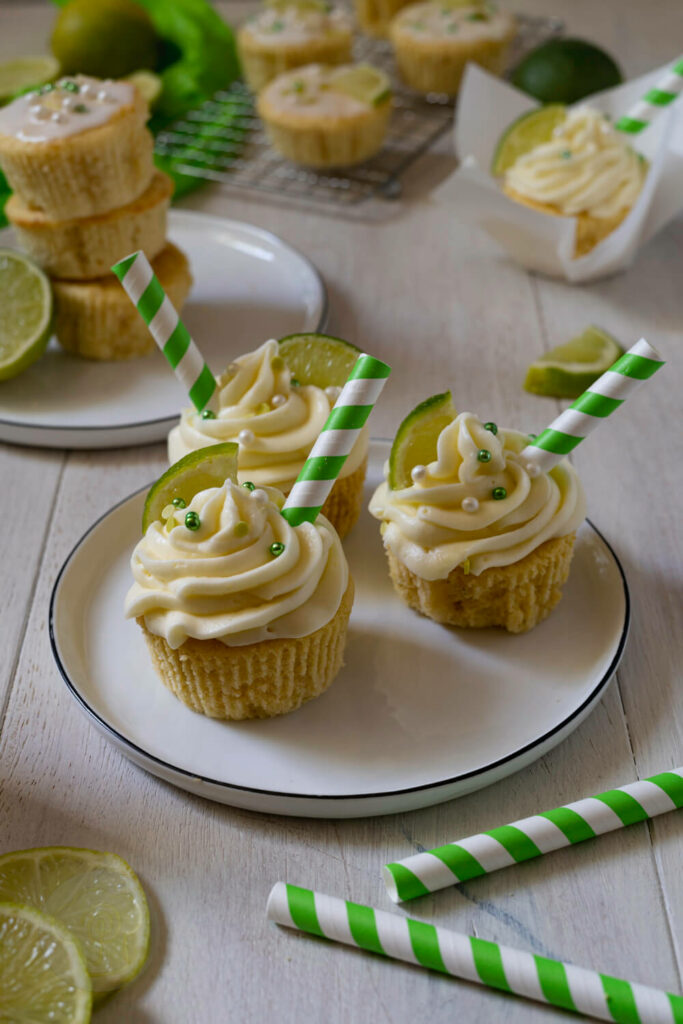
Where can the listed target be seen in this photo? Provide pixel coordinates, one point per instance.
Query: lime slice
(95, 895)
(147, 84)
(24, 73)
(206, 467)
(524, 134)
(43, 977)
(362, 82)
(415, 441)
(566, 371)
(319, 359)
(565, 70)
(25, 312)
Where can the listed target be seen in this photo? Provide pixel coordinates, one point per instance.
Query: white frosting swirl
(310, 92)
(74, 105)
(293, 24)
(221, 582)
(427, 527)
(275, 434)
(587, 167)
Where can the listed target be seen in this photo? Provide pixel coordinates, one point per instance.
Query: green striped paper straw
(478, 960)
(531, 837)
(335, 441)
(170, 333)
(605, 395)
(668, 88)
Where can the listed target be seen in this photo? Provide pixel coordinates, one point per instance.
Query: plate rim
(123, 741)
(176, 215)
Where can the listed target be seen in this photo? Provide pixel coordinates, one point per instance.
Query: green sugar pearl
(491, 427)
(498, 493)
(179, 503)
(294, 382)
(276, 548)
(240, 529)
(208, 414)
(484, 455)
(192, 521)
(249, 486)
(71, 86)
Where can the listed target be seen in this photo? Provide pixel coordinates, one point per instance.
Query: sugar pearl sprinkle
(469, 504)
(333, 393)
(58, 117)
(278, 400)
(532, 469)
(259, 496)
(418, 474)
(246, 437)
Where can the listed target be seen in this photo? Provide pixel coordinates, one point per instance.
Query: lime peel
(196, 471)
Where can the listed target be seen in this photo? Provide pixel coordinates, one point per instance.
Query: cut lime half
(25, 312)
(195, 472)
(22, 73)
(43, 976)
(528, 131)
(362, 82)
(96, 896)
(319, 359)
(566, 371)
(415, 441)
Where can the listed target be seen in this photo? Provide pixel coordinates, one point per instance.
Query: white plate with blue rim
(419, 714)
(249, 285)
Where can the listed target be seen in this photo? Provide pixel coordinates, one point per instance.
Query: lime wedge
(206, 467)
(147, 84)
(96, 896)
(415, 441)
(25, 312)
(43, 977)
(524, 134)
(24, 73)
(362, 82)
(319, 359)
(566, 371)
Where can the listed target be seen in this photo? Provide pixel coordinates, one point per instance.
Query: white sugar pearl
(68, 103)
(278, 400)
(469, 504)
(418, 474)
(532, 469)
(259, 496)
(58, 117)
(104, 96)
(39, 112)
(246, 437)
(333, 393)
(87, 90)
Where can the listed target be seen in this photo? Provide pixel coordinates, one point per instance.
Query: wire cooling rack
(224, 139)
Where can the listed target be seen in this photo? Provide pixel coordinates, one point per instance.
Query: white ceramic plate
(248, 286)
(419, 714)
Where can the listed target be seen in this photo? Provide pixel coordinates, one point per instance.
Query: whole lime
(106, 38)
(565, 70)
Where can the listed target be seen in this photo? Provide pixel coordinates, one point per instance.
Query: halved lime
(566, 371)
(528, 131)
(22, 73)
(25, 312)
(565, 70)
(106, 38)
(362, 82)
(95, 895)
(43, 976)
(206, 467)
(415, 441)
(319, 359)
(147, 84)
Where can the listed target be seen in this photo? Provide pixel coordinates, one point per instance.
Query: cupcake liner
(537, 240)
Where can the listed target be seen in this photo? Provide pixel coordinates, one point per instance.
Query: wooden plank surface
(435, 300)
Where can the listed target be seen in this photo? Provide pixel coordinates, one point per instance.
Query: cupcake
(322, 116)
(374, 16)
(586, 170)
(477, 537)
(275, 420)
(288, 35)
(244, 615)
(433, 42)
(77, 148)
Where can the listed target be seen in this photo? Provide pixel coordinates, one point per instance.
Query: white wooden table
(438, 303)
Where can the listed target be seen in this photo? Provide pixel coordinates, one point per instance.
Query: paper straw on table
(154, 306)
(530, 837)
(605, 395)
(668, 88)
(337, 438)
(478, 960)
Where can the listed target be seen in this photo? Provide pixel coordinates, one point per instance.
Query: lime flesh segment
(195, 472)
(415, 442)
(25, 312)
(566, 371)
(43, 977)
(96, 896)
(362, 82)
(24, 73)
(319, 359)
(524, 134)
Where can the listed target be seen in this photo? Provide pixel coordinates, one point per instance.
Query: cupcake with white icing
(478, 537)
(289, 34)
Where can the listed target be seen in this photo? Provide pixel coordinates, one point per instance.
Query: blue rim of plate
(170, 420)
(335, 797)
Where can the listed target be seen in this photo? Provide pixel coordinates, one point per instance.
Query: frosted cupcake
(433, 42)
(244, 616)
(327, 117)
(288, 35)
(275, 420)
(586, 170)
(77, 148)
(477, 537)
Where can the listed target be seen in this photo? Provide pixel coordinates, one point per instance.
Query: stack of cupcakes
(79, 158)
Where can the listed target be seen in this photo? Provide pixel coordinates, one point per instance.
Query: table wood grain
(434, 299)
